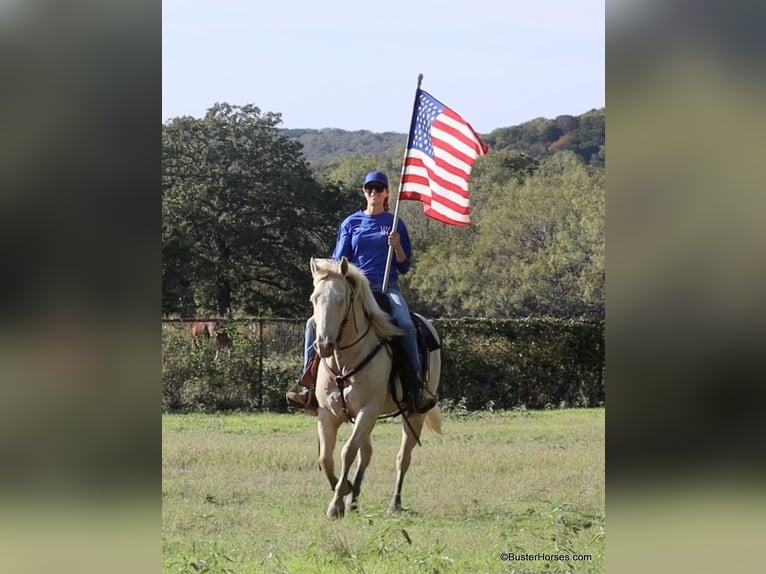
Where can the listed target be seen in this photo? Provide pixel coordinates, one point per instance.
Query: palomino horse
(209, 330)
(353, 378)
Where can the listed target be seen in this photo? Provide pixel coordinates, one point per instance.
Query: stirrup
(297, 399)
(420, 403)
(299, 396)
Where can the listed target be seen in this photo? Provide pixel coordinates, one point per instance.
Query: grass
(242, 493)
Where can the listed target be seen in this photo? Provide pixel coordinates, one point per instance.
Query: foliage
(323, 145)
(241, 216)
(346, 174)
(194, 380)
(534, 363)
(537, 248)
(243, 212)
(487, 364)
(540, 138)
(584, 135)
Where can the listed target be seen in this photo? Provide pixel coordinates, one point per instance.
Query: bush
(193, 379)
(538, 363)
(487, 364)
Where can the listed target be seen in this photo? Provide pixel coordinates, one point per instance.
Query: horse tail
(433, 420)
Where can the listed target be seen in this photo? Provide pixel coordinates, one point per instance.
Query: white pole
(390, 257)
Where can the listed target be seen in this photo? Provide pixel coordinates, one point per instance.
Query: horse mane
(321, 269)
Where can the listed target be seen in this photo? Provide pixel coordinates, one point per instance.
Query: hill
(583, 134)
(329, 143)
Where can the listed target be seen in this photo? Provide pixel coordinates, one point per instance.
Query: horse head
(332, 301)
(342, 293)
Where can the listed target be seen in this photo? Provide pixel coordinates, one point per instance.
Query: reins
(341, 379)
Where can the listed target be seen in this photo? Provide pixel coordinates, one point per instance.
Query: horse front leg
(404, 456)
(365, 455)
(327, 430)
(362, 429)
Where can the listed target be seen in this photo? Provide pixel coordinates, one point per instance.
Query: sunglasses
(374, 188)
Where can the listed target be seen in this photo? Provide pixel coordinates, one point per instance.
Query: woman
(364, 238)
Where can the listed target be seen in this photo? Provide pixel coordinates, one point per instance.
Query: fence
(243, 377)
(486, 364)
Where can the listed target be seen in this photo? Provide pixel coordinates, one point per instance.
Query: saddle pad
(426, 339)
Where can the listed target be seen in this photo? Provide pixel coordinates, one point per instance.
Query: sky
(354, 64)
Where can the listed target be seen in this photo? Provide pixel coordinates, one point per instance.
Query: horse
(353, 379)
(210, 330)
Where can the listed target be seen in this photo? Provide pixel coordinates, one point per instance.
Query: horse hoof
(336, 511)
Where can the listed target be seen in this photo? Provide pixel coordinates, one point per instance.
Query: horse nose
(324, 346)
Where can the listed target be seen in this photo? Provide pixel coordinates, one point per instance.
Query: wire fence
(266, 353)
(485, 363)
(274, 335)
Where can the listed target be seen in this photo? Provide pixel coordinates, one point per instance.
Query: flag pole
(390, 257)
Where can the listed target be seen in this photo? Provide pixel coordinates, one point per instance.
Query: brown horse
(210, 330)
(353, 379)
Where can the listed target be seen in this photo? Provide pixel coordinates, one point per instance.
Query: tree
(537, 249)
(242, 215)
(541, 246)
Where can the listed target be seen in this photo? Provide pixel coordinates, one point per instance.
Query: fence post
(260, 362)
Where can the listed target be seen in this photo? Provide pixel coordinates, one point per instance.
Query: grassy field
(242, 493)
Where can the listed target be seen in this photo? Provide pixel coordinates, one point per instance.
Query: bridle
(340, 379)
(351, 311)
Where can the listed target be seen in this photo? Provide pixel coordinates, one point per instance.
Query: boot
(421, 400)
(301, 394)
(297, 396)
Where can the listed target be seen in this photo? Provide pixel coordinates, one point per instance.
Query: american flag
(441, 149)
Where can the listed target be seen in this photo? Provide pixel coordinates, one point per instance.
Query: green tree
(242, 214)
(541, 246)
(590, 137)
(537, 249)
(348, 173)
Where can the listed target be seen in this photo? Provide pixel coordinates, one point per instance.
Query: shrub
(487, 363)
(533, 362)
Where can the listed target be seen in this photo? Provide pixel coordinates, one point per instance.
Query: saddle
(425, 339)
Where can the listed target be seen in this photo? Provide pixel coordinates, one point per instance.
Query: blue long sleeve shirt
(363, 239)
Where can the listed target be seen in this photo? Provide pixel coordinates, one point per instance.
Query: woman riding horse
(364, 238)
(356, 380)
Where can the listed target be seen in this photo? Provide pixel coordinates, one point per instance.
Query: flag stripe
(430, 174)
(445, 215)
(449, 171)
(421, 178)
(450, 138)
(469, 136)
(431, 169)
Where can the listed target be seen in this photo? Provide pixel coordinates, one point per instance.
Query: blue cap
(377, 176)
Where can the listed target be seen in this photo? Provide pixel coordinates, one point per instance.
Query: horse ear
(344, 266)
(313, 266)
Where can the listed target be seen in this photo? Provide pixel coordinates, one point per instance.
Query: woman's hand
(395, 241)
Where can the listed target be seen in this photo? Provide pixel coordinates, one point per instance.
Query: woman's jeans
(401, 314)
